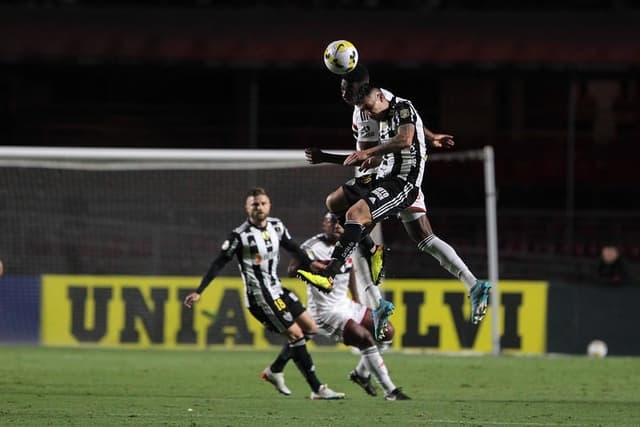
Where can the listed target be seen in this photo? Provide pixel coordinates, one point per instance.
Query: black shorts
(277, 314)
(357, 188)
(389, 196)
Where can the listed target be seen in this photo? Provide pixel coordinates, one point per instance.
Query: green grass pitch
(87, 387)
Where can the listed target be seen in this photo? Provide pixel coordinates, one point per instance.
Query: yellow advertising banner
(147, 311)
(433, 314)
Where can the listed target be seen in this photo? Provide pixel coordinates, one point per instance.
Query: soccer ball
(340, 56)
(597, 348)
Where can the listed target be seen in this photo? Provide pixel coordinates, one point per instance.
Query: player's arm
(228, 248)
(315, 156)
(402, 140)
(355, 295)
(294, 266)
(438, 140)
(371, 162)
(304, 262)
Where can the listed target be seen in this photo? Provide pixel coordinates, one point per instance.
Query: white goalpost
(99, 190)
(486, 155)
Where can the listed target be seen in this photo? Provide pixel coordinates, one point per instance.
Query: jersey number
(280, 305)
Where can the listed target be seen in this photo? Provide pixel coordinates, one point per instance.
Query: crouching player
(344, 319)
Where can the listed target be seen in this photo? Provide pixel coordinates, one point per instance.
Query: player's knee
(360, 213)
(358, 336)
(294, 333)
(311, 330)
(329, 203)
(364, 340)
(335, 202)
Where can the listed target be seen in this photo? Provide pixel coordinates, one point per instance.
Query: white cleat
(325, 393)
(277, 379)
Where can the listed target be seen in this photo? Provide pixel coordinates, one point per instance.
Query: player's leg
(274, 373)
(356, 335)
(304, 362)
(390, 196)
(303, 326)
(357, 218)
(371, 295)
(375, 255)
(361, 374)
(449, 259)
(348, 242)
(418, 227)
(339, 201)
(280, 315)
(265, 311)
(334, 324)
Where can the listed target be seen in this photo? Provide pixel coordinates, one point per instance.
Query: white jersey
(318, 249)
(331, 311)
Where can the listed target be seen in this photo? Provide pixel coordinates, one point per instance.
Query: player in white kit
(345, 319)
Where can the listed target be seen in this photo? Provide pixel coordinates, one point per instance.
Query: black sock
(282, 359)
(367, 244)
(303, 361)
(344, 248)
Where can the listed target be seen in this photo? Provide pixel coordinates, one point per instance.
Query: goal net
(156, 212)
(160, 212)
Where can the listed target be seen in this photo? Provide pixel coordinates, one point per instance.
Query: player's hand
(442, 140)
(317, 266)
(356, 158)
(313, 155)
(370, 163)
(191, 298)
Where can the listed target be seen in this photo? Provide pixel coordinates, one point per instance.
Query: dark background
(552, 86)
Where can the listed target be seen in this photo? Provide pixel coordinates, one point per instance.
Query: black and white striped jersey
(409, 163)
(257, 251)
(366, 129)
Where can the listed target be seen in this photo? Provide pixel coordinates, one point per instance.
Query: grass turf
(86, 387)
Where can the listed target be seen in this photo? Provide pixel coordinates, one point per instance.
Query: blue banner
(19, 309)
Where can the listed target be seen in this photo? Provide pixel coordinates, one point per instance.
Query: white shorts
(331, 323)
(415, 211)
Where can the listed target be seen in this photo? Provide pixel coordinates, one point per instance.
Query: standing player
(344, 319)
(414, 219)
(256, 245)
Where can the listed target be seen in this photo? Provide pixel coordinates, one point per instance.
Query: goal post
(144, 158)
(486, 156)
(130, 211)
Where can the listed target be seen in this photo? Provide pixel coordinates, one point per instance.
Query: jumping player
(366, 126)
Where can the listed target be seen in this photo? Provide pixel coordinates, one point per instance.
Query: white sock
(370, 295)
(376, 365)
(373, 294)
(362, 369)
(448, 258)
(383, 346)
